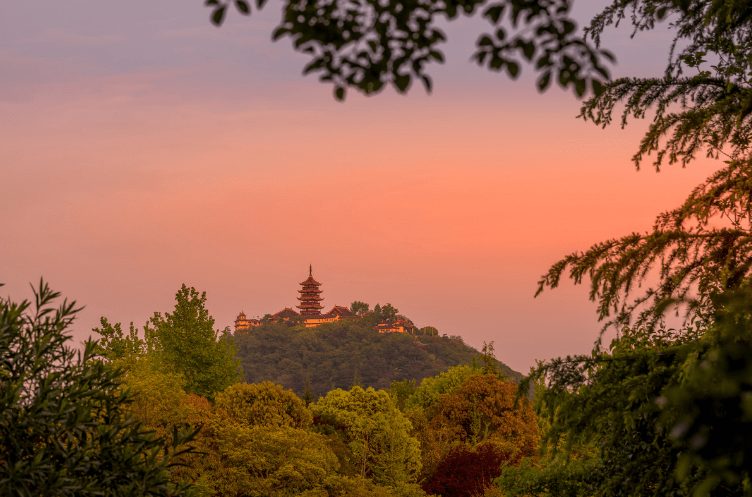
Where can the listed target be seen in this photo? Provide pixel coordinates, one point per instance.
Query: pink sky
(143, 148)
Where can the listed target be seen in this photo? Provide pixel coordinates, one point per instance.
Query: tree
(666, 412)
(702, 103)
(262, 461)
(484, 408)
(433, 387)
(359, 308)
(65, 427)
(430, 330)
(188, 344)
(467, 472)
(695, 260)
(701, 254)
(401, 391)
(389, 313)
(368, 45)
(158, 394)
(378, 434)
(464, 408)
(264, 404)
(114, 345)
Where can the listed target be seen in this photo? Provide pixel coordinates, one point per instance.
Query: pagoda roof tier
(310, 281)
(310, 290)
(309, 305)
(310, 297)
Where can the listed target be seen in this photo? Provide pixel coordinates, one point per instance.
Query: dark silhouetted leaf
(219, 15)
(494, 13)
(484, 41)
(427, 83)
(598, 88)
(243, 7)
(544, 81)
(513, 68)
(402, 82)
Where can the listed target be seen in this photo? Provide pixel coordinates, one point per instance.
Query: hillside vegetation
(347, 353)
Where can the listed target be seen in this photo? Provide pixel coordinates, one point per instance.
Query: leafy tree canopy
(359, 308)
(65, 425)
(183, 342)
(671, 407)
(702, 104)
(265, 404)
(367, 45)
(377, 432)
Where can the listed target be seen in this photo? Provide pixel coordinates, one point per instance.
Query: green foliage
(401, 391)
(359, 308)
(265, 404)
(710, 413)
(490, 364)
(669, 406)
(389, 313)
(331, 355)
(673, 407)
(185, 343)
(368, 45)
(114, 345)
(558, 476)
(65, 427)
(432, 388)
(702, 103)
(158, 394)
(698, 250)
(378, 434)
(261, 461)
(430, 330)
(706, 109)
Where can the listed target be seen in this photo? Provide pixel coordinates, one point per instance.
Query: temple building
(399, 326)
(310, 308)
(285, 314)
(243, 323)
(338, 312)
(310, 296)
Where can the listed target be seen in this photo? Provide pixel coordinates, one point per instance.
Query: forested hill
(341, 354)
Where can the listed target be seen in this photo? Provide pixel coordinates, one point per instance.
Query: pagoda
(310, 296)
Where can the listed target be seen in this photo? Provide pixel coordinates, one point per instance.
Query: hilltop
(344, 353)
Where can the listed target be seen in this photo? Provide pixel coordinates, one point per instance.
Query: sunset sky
(142, 148)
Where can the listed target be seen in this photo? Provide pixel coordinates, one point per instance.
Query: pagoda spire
(310, 270)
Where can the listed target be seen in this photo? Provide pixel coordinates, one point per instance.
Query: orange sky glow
(139, 152)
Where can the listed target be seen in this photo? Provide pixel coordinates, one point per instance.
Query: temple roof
(310, 281)
(339, 310)
(285, 313)
(310, 290)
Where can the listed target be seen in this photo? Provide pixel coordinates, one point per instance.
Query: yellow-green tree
(189, 345)
(378, 434)
(254, 442)
(183, 342)
(265, 404)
